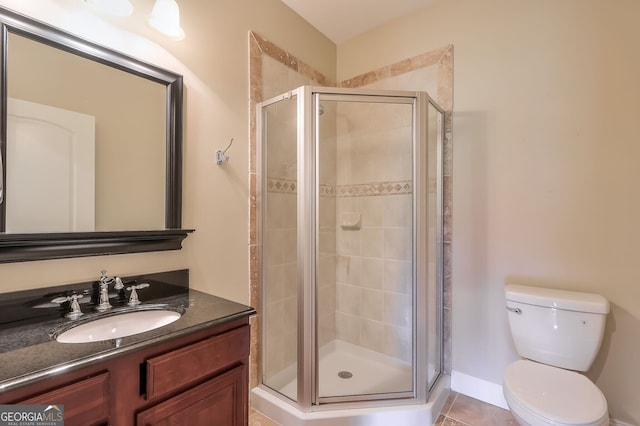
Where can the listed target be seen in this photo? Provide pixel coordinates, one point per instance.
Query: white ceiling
(341, 20)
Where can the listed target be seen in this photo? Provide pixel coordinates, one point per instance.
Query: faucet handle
(133, 299)
(60, 300)
(75, 306)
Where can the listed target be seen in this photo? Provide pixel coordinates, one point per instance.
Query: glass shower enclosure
(350, 235)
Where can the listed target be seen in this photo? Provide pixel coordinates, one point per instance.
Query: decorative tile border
(375, 188)
(289, 186)
(283, 186)
(327, 190)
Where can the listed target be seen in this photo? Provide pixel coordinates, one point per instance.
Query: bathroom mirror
(91, 146)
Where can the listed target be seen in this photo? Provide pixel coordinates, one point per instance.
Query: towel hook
(221, 158)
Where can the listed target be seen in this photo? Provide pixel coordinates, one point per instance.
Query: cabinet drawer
(86, 402)
(174, 370)
(221, 401)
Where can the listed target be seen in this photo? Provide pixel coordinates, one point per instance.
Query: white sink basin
(115, 326)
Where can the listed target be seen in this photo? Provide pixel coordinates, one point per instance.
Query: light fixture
(112, 7)
(165, 17)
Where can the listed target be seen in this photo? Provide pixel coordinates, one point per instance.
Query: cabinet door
(221, 401)
(86, 402)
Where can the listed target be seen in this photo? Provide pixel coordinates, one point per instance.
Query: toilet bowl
(539, 394)
(558, 334)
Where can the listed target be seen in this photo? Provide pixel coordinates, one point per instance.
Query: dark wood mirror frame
(39, 246)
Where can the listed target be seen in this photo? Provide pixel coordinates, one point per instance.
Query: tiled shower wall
(327, 292)
(280, 235)
(273, 71)
(374, 169)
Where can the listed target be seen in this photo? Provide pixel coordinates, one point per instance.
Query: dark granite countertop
(28, 353)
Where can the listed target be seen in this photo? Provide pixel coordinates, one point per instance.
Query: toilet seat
(544, 395)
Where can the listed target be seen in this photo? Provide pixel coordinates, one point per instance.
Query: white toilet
(556, 331)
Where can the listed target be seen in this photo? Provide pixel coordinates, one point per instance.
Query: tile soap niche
(351, 221)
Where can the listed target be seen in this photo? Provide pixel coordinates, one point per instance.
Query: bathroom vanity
(193, 371)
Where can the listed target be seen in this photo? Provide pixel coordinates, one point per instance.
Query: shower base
(371, 372)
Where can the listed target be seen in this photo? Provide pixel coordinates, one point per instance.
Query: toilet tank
(556, 327)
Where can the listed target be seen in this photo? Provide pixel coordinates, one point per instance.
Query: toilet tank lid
(560, 299)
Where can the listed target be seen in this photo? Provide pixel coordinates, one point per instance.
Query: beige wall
(545, 190)
(214, 61)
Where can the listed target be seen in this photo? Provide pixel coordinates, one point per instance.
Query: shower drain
(345, 374)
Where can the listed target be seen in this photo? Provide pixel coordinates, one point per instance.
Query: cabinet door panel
(86, 402)
(179, 368)
(220, 401)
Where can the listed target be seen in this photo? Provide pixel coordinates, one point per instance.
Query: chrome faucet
(103, 302)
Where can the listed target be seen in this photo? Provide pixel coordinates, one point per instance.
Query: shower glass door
(279, 229)
(350, 230)
(365, 227)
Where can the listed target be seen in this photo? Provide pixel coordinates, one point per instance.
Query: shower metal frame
(308, 101)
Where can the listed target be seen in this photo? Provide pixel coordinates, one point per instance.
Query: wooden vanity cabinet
(200, 379)
(218, 399)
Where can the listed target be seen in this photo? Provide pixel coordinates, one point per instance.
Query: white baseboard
(480, 389)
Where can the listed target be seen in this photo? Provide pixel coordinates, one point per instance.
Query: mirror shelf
(116, 238)
(27, 247)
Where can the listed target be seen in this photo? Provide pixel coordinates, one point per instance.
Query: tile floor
(459, 410)
(256, 418)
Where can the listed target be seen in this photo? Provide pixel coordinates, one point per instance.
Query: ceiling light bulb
(112, 7)
(165, 18)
